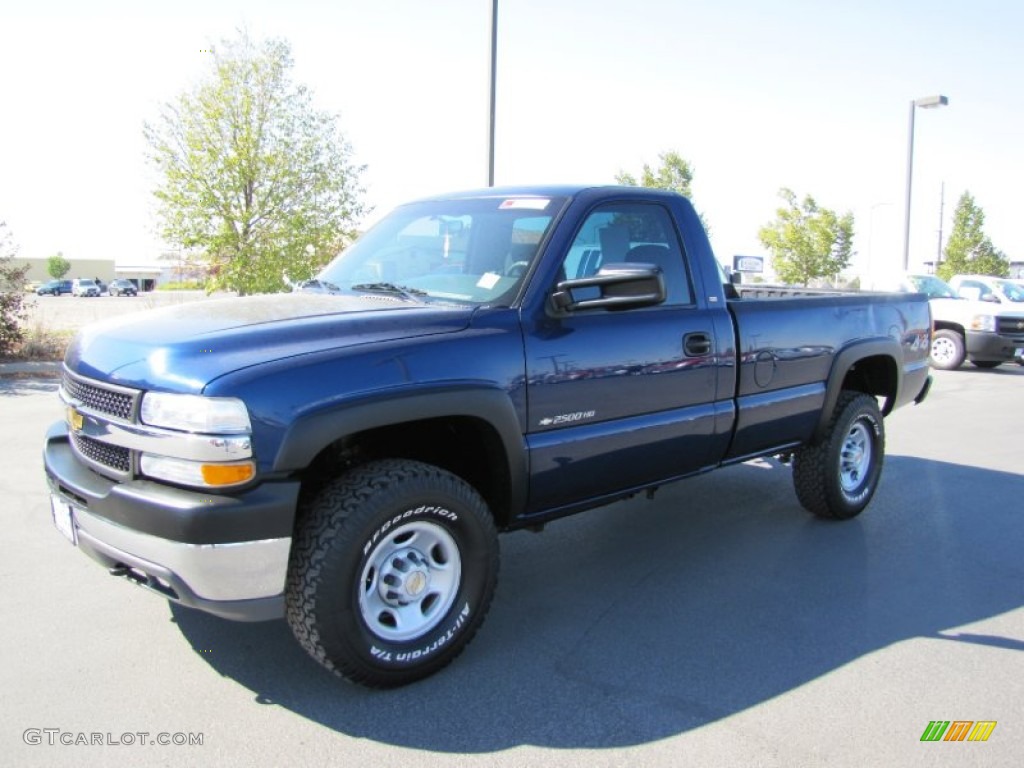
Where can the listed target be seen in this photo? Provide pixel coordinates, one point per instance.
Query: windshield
(469, 251)
(932, 286)
(1012, 291)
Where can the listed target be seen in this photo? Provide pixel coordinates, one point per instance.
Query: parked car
(122, 288)
(54, 288)
(996, 290)
(85, 286)
(984, 331)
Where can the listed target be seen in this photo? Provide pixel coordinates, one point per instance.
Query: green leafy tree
(969, 251)
(675, 173)
(252, 175)
(807, 241)
(12, 294)
(57, 266)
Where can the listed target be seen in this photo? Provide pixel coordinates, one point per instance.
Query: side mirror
(618, 286)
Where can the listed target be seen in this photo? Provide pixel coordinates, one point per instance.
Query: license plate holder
(64, 518)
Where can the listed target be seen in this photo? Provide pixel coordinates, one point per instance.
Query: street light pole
(493, 99)
(926, 102)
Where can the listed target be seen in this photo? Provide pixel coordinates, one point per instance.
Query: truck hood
(183, 348)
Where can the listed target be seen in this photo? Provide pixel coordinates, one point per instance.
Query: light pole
(925, 102)
(493, 99)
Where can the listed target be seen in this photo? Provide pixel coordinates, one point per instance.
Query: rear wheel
(836, 476)
(947, 352)
(392, 571)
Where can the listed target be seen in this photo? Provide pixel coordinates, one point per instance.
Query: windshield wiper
(317, 286)
(411, 294)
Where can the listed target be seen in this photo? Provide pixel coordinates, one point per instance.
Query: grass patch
(40, 345)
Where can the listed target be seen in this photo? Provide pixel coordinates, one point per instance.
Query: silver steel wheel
(409, 581)
(855, 457)
(944, 351)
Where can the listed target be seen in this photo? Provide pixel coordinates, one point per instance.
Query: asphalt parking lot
(718, 624)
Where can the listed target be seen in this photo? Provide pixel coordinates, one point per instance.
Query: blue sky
(757, 95)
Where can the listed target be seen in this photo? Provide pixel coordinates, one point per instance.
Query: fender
(844, 361)
(309, 435)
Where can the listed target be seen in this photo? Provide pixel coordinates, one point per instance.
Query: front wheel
(392, 571)
(947, 352)
(836, 476)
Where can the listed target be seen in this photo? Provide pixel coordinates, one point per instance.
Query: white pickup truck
(982, 329)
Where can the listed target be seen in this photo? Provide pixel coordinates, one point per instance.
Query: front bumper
(226, 555)
(986, 345)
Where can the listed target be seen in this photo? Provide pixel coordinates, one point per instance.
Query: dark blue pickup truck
(345, 455)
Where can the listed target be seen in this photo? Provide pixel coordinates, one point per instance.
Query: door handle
(697, 344)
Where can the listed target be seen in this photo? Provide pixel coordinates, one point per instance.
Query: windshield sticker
(526, 203)
(488, 280)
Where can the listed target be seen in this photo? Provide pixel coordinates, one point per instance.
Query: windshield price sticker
(488, 280)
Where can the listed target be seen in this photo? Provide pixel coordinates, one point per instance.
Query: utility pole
(942, 210)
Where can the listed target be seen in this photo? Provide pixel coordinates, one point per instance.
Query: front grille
(116, 403)
(1011, 326)
(113, 457)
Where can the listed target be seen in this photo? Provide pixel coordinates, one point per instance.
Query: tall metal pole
(942, 211)
(926, 102)
(494, 78)
(910, 178)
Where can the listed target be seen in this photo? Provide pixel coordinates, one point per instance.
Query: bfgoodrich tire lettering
(392, 571)
(836, 476)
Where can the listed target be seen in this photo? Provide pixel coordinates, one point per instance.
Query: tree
(675, 173)
(252, 175)
(969, 251)
(12, 294)
(57, 266)
(808, 241)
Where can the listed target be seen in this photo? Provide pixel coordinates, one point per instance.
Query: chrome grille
(116, 403)
(113, 457)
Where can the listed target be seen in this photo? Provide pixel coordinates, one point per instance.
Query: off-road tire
(359, 535)
(836, 476)
(947, 350)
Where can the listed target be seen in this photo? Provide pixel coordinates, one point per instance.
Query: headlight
(195, 473)
(983, 323)
(195, 413)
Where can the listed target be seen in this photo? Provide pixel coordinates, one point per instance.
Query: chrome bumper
(200, 575)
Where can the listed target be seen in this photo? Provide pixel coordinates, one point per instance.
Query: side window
(629, 232)
(974, 290)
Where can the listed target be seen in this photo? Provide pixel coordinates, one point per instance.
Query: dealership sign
(748, 263)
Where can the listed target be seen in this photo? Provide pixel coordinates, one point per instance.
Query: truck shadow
(646, 619)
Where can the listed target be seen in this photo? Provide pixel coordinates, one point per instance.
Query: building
(102, 269)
